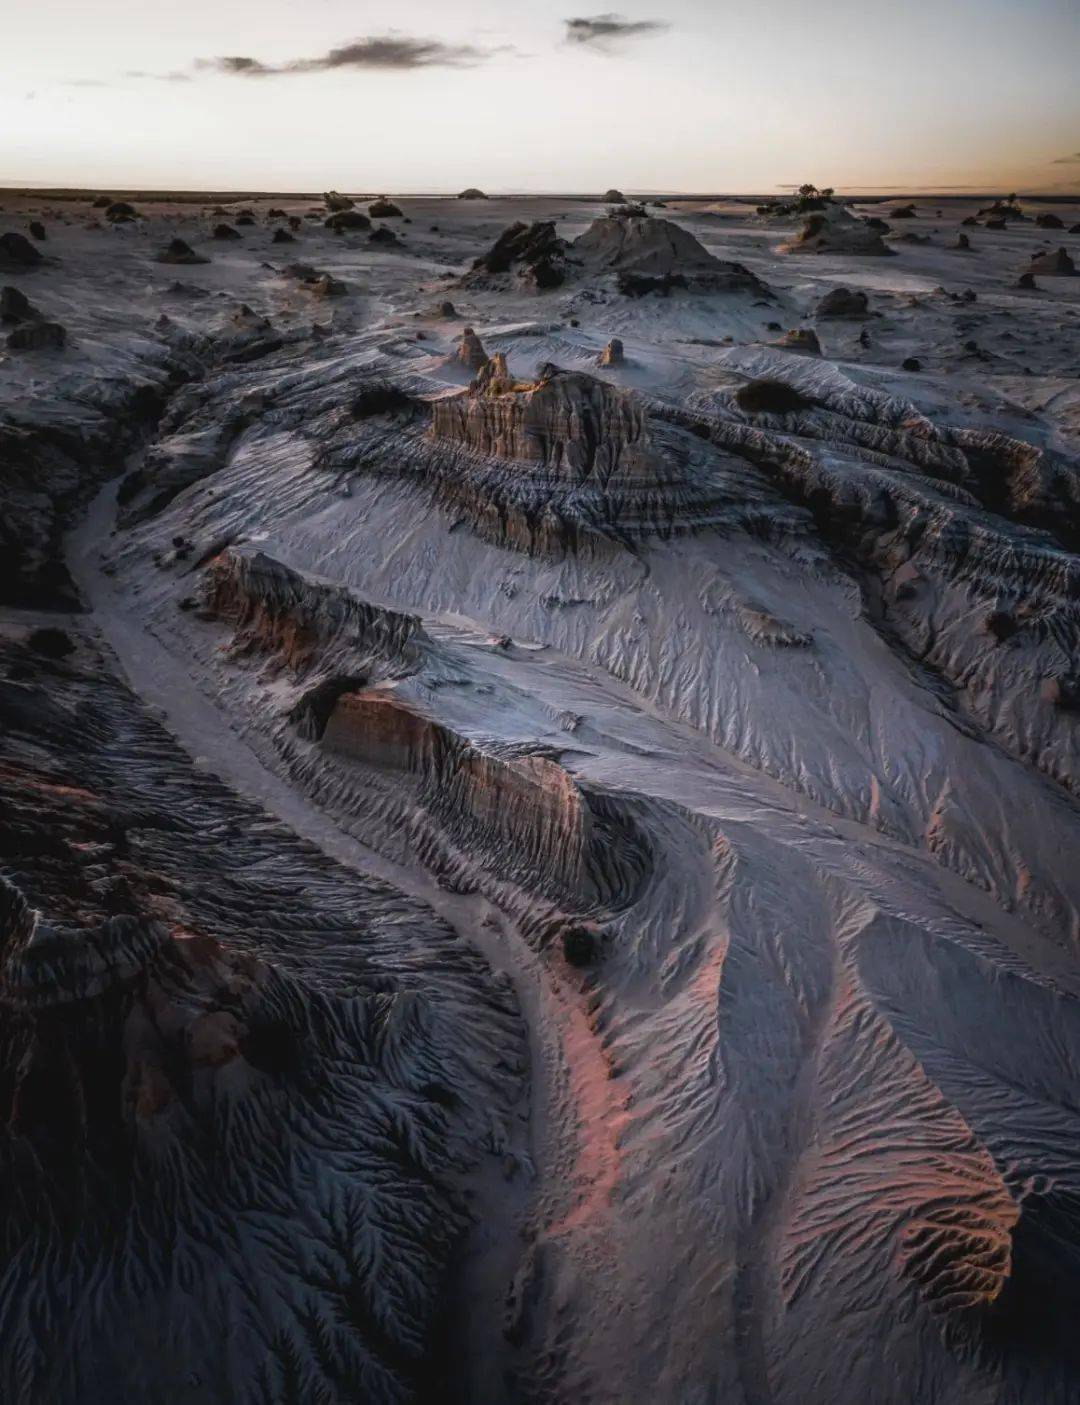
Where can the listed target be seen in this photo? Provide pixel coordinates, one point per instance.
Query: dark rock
(336, 203)
(37, 229)
(37, 336)
(842, 302)
(51, 643)
(121, 210)
(246, 220)
(614, 197)
(472, 194)
(226, 231)
(342, 220)
(102, 202)
(612, 354)
(911, 363)
(382, 235)
(179, 251)
(533, 251)
(771, 397)
(383, 210)
(16, 249)
(282, 236)
(963, 242)
(14, 305)
(902, 212)
(1057, 264)
(295, 222)
(1049, 221)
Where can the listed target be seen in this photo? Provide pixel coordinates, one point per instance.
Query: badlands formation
(539, 802)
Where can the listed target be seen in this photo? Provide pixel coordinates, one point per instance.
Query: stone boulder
(843, 302)
(344, 220)
(179, 251)
(16, 251)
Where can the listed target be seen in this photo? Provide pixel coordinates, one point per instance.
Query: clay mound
(837, 231)
(383, 210)
(642, 245)
(472, 193)
(1056, 263)
(179, 251)
(644, 250)
(17, 251)
(534, 253)
(347, 219)
(842, 302)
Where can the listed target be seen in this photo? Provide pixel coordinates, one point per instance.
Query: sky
(702, 96)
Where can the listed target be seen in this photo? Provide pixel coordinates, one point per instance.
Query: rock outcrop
(180, 251)
(16, 251)
(643, 247)
(837, 231)
(344, 220)
(1056, 264)
(530, 254)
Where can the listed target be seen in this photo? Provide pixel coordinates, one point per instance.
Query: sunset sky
(425, 95)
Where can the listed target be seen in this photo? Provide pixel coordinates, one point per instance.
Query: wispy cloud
(392, 51)
(174, 77)
(606, 32)
(1073, 160)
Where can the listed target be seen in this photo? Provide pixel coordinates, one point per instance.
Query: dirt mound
(837, 231)
(641, 250)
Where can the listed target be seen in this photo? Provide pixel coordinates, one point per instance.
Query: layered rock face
(568, 424)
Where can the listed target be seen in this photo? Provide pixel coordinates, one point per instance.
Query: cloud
(378, 51)
(174, 77)
(606, 31)
(1073, 160)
